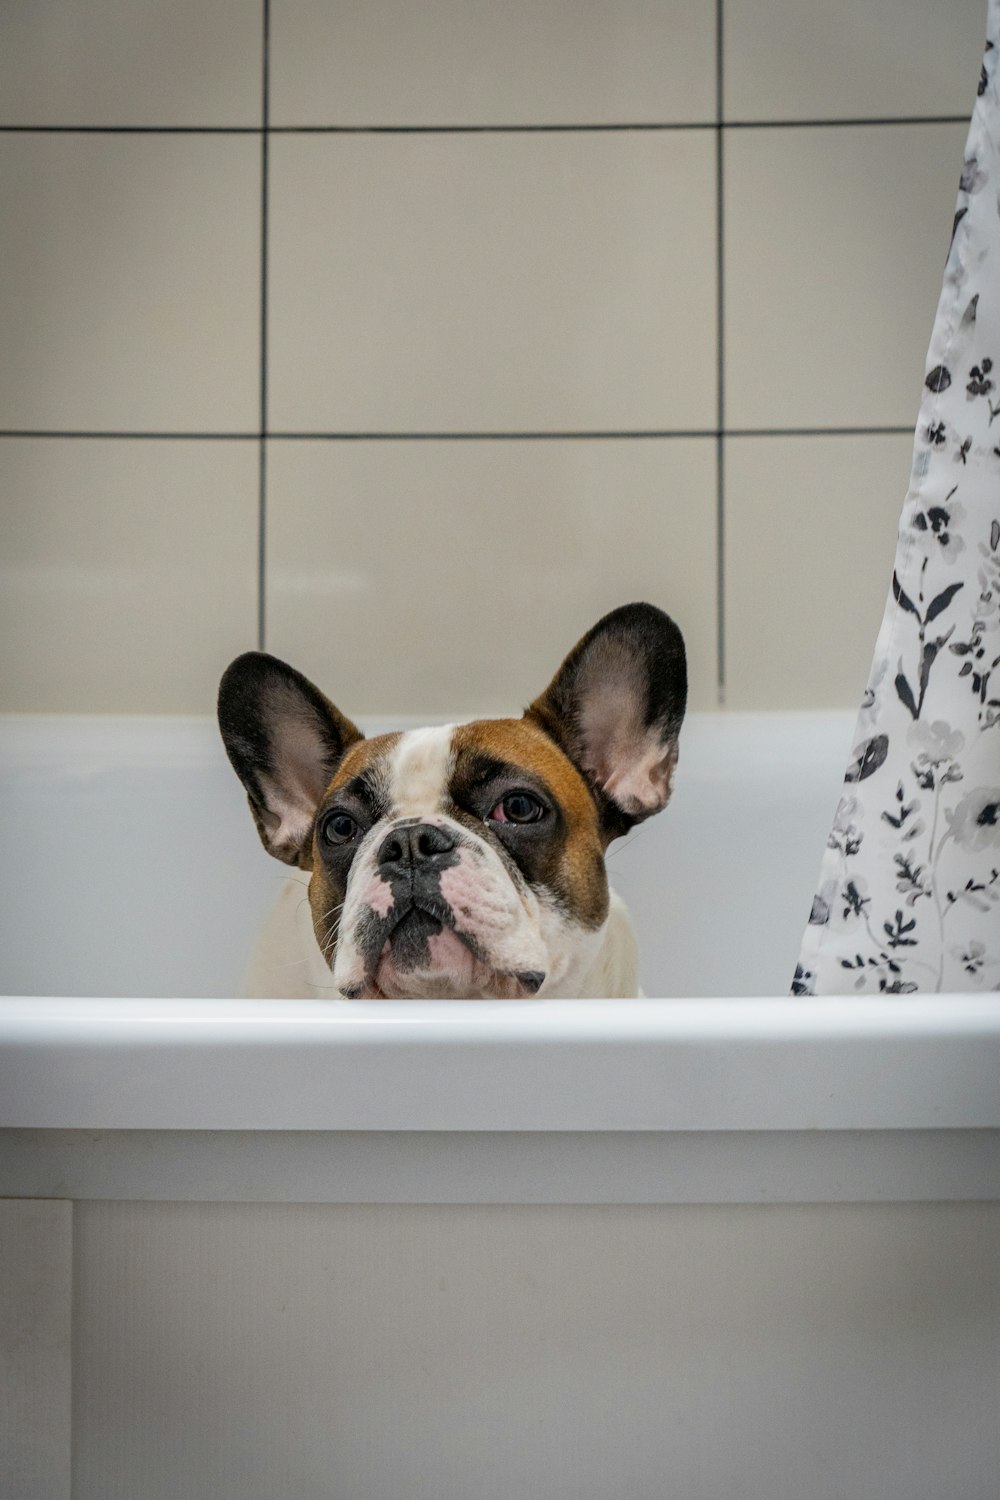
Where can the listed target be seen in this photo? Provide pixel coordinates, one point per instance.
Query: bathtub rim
(832, 1064)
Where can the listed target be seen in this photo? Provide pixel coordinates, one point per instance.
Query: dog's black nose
(531, 980)
(419, 844)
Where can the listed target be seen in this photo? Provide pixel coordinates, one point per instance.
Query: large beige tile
(810, 539)
(835, 245)
(469, 62)
(131, 62)
(492, 282)
(445, 578)
(855, 59)
(128, 572)
(129, 282)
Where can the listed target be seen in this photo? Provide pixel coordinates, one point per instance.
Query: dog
(464, 861)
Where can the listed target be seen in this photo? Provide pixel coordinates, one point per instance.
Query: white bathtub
(701, 1246)
(138, 871)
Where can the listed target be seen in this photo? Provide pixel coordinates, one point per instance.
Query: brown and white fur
(464, 861)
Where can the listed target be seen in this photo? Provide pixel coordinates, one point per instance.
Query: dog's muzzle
(412, 927)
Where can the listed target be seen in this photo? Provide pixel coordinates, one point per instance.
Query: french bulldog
(464, 861)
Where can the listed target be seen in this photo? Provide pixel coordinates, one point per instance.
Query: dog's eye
(338, 827)
(518, 807)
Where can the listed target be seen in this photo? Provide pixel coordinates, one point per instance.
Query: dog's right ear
(284, 740)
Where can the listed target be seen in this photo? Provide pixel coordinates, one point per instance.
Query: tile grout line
(580, 435)
(720, 354)
(621, 126)
(846, 122)
(116, 437)
(262, 436)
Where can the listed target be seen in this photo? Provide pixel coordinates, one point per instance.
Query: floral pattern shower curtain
(909, 887)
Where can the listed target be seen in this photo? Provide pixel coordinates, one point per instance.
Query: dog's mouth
(409, 942)
(423, 955)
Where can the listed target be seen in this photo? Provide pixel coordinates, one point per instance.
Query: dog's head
(463, 861)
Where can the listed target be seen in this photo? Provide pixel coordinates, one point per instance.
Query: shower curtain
(909, 889)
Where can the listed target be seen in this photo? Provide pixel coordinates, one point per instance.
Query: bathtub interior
(134, 870)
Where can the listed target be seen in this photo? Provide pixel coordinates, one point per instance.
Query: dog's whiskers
(331, 932)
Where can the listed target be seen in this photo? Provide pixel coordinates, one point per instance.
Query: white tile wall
(810, 538)
(473, 62)
(454, 576)
(835, 243)
(130, 62)
(129, 282)
(543, 262)
(492, 283)
(128, 572)
(788, 61)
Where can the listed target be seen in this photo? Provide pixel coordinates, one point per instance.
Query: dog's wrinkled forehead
(399, 775)
(422, 771)
(419, 771)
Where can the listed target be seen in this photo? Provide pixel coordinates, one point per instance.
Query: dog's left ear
(615, 707)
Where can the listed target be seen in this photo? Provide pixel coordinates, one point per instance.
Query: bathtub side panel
(422, 1352)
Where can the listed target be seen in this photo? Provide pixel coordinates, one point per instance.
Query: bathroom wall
(409, 339)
